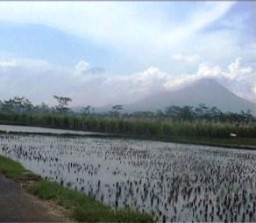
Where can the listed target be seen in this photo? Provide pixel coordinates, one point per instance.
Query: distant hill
(207, 91)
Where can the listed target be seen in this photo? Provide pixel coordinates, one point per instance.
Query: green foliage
(174, 122)
(10, 169)
(164, 127)
(17, 104)
(14, 170)
(84, 208)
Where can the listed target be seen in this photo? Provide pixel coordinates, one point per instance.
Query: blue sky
(112, 52)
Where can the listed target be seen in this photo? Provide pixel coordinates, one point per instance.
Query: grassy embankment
(83, 208)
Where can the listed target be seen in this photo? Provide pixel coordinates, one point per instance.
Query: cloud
(23, 63)
(208, 70)
(131, 28)
(138, 35)
(83, 68)
(163, 45)
(237, 70)
(35, 79)
(237, 77)
(149, 76)
(241, 79)
(39, 81)
(198, 20)
(186, 58)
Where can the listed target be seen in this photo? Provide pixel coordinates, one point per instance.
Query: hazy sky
(117, 52)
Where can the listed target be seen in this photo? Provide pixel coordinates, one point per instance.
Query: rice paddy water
(173, 182)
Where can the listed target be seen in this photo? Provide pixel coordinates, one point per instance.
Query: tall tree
(116, 109)
(186, 113)
(172, 111)
(86, 110)
(62, 106)
(201, 110)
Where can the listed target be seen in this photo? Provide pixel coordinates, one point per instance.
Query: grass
(142, 126)
(14, 170)
(83, 208)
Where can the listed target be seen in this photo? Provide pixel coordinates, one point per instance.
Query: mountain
(207, 91)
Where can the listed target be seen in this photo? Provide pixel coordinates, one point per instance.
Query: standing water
(173, 182)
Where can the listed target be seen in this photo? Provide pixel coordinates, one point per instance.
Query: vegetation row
(174, 122)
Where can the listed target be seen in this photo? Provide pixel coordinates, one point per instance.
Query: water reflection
(171, 181)
(31, 129)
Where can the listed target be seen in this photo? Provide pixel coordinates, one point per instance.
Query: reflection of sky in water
(174, 182)
(29, 129)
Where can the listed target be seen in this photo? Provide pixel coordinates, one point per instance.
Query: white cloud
(199, 20)
(35, 79)
(129, 28)
(82, 66)
(208, 70)
(108, 23)
(81, 69)
(241, 79)
(39, 81)
(186, 58)
(237, 77)
(28, 63)
(144, 33)
(149, 76)
(176, 83)
(237, 70)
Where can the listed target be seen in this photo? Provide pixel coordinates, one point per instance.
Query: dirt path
(18, 206)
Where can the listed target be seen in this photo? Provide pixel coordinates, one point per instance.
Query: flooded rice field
(29, 129)
(173, 182)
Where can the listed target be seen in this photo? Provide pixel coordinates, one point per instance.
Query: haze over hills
(207, 91)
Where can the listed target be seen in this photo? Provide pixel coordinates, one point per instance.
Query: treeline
(199, 113)
(24, 106)
(186, 113)
(174, 122)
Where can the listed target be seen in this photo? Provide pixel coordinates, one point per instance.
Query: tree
(62, 106)
(186, 113)
(17, 104)
(42, 108)
(159, 113)
(172, 111)
(143, 114)
(86, 110)
(201, 111)
(215, 113)
(247, 116)
(116, 110)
